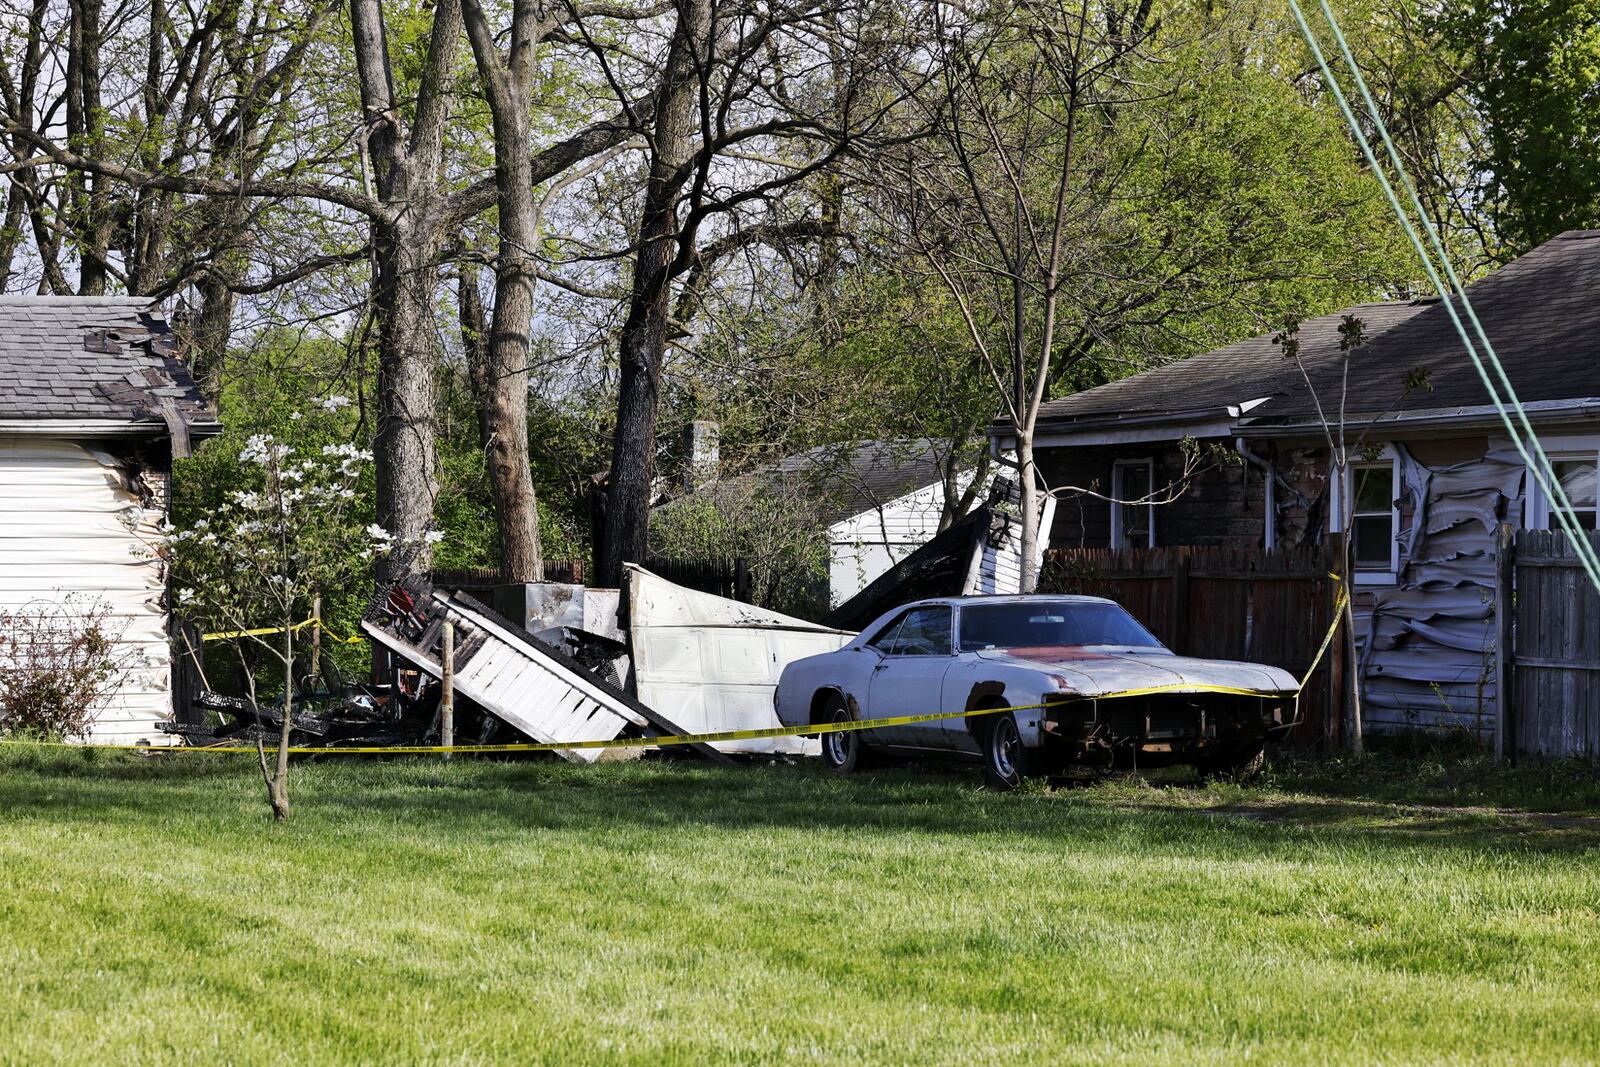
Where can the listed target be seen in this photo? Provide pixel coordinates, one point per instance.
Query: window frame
(888, 632)
(1536, 505)
(950, 637)
(1117, 531)
(1344, 487)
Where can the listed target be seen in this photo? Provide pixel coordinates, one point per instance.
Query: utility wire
(1544, 470)
(1540, 467)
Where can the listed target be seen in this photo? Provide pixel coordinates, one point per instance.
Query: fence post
(1340, 670)
(316, 640)
(1505, 641)
(447, 687)
(741, 580)
(1180, 601)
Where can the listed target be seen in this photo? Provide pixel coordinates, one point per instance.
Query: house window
(1133, 515)
(1577, 473)
(1374, 519)
(1366, 505)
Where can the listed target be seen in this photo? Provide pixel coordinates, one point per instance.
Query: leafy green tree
(256, 565)
(1535, 77)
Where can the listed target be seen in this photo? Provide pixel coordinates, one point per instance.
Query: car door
(910, 677)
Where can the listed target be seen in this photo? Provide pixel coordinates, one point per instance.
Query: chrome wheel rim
(1004, 748)
(836, 746)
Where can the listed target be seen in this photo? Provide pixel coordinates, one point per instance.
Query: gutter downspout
(997, 454)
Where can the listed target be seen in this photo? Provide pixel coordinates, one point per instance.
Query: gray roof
(1207, 384)
(858, 477)
(843, 480)
(96, 358)
(1541, 313)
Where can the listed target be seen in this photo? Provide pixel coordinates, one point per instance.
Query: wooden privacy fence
(483, 580)
(728, 578)
(1270, 607)
(1554, 634)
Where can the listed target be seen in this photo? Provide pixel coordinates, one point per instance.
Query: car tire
(1243, 766)
(843, 752)
(1006, 761)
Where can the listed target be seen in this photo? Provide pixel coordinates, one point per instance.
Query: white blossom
(334, 403)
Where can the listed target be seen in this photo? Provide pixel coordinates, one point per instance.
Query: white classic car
(1078, 656)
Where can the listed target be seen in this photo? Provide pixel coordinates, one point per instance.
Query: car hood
(1100, 672)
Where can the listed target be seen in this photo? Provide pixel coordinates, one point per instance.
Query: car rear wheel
(1006, 761)
(842, 751)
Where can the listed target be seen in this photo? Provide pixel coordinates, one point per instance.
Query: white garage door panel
(711, 664)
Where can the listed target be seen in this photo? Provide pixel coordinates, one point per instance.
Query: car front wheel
(1006, 761)
(842, 751)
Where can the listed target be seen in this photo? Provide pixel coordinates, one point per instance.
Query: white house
(890, 498)
(94, 405)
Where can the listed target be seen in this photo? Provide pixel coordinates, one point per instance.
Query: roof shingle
(1237, 374)
(91, 358)
(1541, 313)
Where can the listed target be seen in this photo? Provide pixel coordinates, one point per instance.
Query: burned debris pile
(529, 684)
(563, 684)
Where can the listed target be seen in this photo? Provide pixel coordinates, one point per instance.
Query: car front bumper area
(1158, 729)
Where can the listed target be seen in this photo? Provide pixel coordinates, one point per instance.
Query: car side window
(884, 642)
(924, 632)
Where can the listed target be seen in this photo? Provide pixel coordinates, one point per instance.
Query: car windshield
(1049, 623)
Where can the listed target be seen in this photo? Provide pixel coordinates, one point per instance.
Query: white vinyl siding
(864, 546)
(71, 524)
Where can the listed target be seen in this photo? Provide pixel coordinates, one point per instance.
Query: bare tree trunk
(502, 387)
(91, 221)
(1028, 475)
(210, 331)
(644, 333)
(404, 447)
(406, 243)
(278, 784)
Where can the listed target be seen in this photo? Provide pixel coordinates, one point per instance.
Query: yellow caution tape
(1327, 638)
(296, 628)
(847, 726)
(810, 729)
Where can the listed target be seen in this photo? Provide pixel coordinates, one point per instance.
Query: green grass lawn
(1356, 912)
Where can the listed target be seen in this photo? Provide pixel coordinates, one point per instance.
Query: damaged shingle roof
(1212, 381)
(92, 358)
(1541, 313)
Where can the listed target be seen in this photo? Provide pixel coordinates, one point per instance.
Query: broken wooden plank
(525, 682)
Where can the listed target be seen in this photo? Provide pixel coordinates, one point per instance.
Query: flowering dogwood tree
(257, 564)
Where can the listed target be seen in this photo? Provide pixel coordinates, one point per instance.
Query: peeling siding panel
(1428, 643)
(71, 522)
